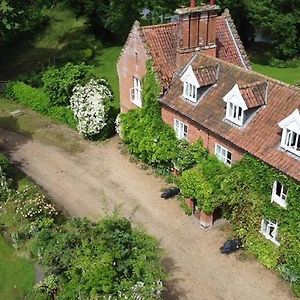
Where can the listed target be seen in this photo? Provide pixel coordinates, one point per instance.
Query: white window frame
(223, 154)
(269, 230)
(235, 113)
(136, 92)
(290, 141)
(181, 129)
(190, 91)
(279, 198)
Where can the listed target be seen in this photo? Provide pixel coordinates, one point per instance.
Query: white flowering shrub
(90, 104)
(118, 126)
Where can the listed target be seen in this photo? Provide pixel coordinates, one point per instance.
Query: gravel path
(100, 180)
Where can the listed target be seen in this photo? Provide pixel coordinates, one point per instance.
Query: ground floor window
(180, 129)
(223, 154)
(270, 230)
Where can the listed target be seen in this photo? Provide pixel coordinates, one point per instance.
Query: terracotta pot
(206, 220)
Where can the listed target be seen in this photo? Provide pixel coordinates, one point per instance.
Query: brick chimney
(197, 30)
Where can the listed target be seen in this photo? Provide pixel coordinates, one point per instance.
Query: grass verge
(17, 275)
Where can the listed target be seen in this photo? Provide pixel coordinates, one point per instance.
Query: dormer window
(242, 101)
(235, 113)
(196, 83)
(190, 92)
(290, 139)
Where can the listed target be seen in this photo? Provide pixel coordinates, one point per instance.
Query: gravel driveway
(100, 180)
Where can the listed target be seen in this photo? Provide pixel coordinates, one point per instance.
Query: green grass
(106, 66)
(288, 75)
(17, 275)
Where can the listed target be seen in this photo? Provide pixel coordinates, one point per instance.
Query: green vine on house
(244, 191)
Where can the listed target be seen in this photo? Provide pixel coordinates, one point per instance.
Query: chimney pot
(212, 2)
(193, 3)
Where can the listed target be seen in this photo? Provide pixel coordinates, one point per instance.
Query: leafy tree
(279, 18)
(20, 16)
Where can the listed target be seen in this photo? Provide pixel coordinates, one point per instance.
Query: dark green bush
(59, 82)
(63, 114)
(29, 96)
(5, 163)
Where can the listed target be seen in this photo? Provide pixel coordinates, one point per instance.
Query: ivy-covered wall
(243, 191)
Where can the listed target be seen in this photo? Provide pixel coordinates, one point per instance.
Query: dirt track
(100, 180)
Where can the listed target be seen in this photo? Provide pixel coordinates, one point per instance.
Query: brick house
(210, 93)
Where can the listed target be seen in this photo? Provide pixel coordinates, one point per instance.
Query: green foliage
(279, 18)
(63, 114)
(29, 96)
(5, 163)
(59, 82)
(144, 132)
(101, 260)
(81, 49)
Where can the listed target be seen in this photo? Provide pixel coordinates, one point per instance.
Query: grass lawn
(288, 75)
(17, 275)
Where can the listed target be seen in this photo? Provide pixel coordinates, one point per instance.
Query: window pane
(278, 188)
(229, 157)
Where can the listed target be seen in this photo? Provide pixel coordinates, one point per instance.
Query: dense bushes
(58, 86)
(106, 260)
(58, 83)
(38, 100)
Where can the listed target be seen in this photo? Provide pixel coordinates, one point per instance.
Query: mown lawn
(288, 75)
(17, 275)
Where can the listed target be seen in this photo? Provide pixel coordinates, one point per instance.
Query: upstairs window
(279, 194)
(223, 154)
(291, 141)
(181, 129)
(270, 230)
(136, 92)
(234, 113)
(190, 92)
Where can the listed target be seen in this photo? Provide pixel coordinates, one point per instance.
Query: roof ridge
(159, 25)
(294, 87)
(248, 85)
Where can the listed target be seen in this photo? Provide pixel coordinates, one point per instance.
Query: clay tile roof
(162, 43)
(254, 94)
(229, 46)
(207, 75)
(261, 135)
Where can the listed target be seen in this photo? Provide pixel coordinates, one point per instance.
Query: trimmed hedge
(38, 100)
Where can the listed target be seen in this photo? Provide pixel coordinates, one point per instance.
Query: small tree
(90, 104)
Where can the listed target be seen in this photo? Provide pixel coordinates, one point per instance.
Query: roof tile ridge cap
(227, 16)
(269, 79)
(253, 84)
(159, 25)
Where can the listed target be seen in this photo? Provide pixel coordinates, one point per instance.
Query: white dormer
(235, 106)
(190, 84)
(290, 139)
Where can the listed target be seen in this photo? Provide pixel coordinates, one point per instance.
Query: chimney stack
(197, 29)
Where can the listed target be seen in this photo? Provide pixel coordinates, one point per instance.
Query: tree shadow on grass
(172, 291)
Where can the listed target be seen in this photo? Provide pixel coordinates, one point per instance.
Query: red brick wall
(195, 133)
(132, 63)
